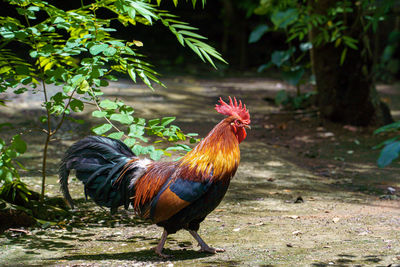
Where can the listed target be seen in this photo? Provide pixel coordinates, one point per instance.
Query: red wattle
(241, 134)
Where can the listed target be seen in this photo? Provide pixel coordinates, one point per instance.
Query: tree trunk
(347, 93)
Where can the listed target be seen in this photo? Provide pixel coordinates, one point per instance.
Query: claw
(211, 250)
(203, 246)
(159, 253)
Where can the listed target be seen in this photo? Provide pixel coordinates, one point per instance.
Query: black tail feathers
(100, 163)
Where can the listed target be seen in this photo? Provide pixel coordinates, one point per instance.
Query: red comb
(233, 109)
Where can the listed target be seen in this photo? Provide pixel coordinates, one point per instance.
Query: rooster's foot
(203, 246)
(162, 255)
(211, 249)
(159, 248)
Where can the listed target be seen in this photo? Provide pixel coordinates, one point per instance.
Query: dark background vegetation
(227, 25)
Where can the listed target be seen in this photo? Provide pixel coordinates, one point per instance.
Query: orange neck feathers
(217, 156)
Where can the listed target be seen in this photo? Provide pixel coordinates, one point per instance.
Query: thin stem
(100, 109)
(64, 112)
(49, 133)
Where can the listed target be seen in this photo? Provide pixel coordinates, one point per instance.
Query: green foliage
(301, 101)
(257, 33)
(76, 50)
(389, 65)
(8, 159)
(15, 191)
(391, 147)
(297, 19)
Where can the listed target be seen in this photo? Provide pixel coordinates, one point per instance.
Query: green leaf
(130, 142)
(386, 142)
(84, 86)
(108, 104)
(343, 56)
(395, 126)
(131, 72)
(192, 34)
(167, 120)
(153, 122)
(258, 32)
(136, 130)
(22, 70)
(122, 118)
(156, 154)
(281, 97)
(282, 19)
(280, 57)
(389, 153)
(293, 77)
(137, 149)
(110, 51)
(101, 129)
(18, 144)
(97, 49)
(306, 46)
(116, 135)
(99, 114)
(76, 105)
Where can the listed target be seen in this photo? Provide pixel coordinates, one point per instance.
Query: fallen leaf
(326, 135)
(282, 126)
(363, 233)
(350, 128)
(292, 216)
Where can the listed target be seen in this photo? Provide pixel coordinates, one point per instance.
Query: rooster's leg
(158, 249)
(203, 246)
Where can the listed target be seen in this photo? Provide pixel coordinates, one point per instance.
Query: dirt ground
(307, 192)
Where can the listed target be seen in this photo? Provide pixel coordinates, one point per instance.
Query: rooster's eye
(238, 123)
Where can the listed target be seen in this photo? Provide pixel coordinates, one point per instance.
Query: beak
(247, 126)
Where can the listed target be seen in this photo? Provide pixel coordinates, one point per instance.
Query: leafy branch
(75, 50)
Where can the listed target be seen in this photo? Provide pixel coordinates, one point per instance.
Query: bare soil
(307, 192)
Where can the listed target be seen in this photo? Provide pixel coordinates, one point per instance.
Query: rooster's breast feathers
(167, 188)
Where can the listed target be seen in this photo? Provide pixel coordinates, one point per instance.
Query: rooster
(174, 195)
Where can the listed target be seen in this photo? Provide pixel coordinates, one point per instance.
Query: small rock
(326, 135)
(363, 233)
(289, 245)
(296, 232)
(236, 230)
(336, 219)
(391, 190)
